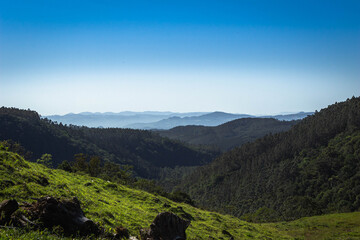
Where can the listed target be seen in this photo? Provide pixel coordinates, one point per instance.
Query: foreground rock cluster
(50, 212)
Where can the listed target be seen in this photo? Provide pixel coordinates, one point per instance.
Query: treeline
(95, 167)
(228, 135)
(146, 151)
(311, 169)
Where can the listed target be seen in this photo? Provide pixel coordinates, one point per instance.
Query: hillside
(145, 150)
(113, 205)
(311, 169)
(228, 135)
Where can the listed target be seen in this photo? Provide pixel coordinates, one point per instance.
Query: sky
(246, 56)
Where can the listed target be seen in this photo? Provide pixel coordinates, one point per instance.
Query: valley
(250, 174)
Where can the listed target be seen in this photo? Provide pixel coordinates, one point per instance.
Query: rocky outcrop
(166, 226)
(50, 212)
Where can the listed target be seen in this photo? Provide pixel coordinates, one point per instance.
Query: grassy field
(114, 205)
(330, 226)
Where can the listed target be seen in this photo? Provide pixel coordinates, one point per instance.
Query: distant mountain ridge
(209, 119)
(158, 120)
(291, 116)
(110, 119)
(228, 135)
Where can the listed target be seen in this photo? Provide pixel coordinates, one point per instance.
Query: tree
(65, 165)
(94, 166)
(80, 164)
(46, 160)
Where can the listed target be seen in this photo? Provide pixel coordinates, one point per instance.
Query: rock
(121, 233)
(166, 226)
(52, 212)
(19, 220)
(7, 208)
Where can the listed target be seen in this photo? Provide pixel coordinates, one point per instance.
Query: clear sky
(250, 56)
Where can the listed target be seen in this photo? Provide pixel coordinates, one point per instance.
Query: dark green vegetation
(147, 152)
(312, 169)
(113, 205)
(230, 134)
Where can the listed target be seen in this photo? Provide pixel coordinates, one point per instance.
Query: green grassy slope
(112, 204)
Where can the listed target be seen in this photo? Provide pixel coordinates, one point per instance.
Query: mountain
(228, 135)
(155, 120)
(311, 169)
(112, 205)
(210, 119)
(145, 150)
(109, 119)
(292, 116)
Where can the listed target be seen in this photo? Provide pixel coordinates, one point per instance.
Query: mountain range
(158, 120)
(120, 120)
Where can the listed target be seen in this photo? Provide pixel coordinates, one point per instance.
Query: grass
(330, 226)
(113, 205)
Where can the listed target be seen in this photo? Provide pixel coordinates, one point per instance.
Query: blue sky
(256, 57)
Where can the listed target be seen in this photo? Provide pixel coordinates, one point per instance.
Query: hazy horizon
(169, 112)
(250, 57)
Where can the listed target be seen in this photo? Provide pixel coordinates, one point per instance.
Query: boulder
(50, 212)
(121, 233)
(166, 226)
(7, 208)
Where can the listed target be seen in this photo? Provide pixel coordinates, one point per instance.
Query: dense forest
(146, 151)
(314, 168)
(228, 135)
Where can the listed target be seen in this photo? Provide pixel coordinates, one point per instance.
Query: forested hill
(230, 134)
(145, 150)
(314, 168)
